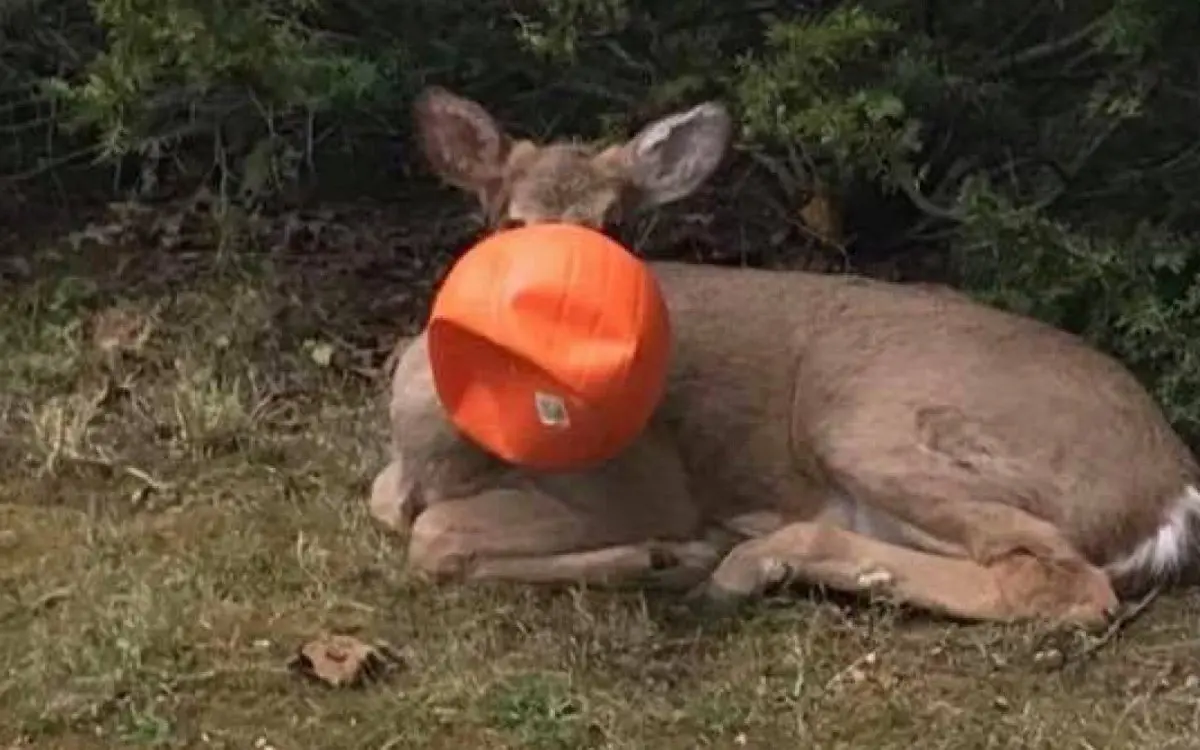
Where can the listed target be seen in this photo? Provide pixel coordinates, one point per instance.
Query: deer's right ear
(462, 142)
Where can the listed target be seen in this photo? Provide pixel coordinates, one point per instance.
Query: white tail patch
(1169, 549)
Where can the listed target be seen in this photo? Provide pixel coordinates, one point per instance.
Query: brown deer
(866, 436)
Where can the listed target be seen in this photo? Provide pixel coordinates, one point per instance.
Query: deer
(865, 436)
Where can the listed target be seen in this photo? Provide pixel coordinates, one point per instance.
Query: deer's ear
(672, 157)
(462, 142)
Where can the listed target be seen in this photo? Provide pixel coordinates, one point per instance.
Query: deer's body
(853, 433)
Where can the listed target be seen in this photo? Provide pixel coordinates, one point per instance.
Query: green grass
(181, 511)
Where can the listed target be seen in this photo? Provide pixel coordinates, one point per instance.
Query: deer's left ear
(672, 157)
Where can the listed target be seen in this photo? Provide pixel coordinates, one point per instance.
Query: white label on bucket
(551, 410)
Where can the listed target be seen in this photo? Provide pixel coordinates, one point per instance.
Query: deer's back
(770, 366)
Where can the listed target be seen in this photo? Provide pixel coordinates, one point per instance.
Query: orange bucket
(550, 346)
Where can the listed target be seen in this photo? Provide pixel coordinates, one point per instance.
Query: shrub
(1044, 152)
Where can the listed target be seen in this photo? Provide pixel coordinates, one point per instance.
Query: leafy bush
(251, 77)
(1135, 295)
(39, 39)
(1044, 151)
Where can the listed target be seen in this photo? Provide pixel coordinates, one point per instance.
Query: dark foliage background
(1041, 155)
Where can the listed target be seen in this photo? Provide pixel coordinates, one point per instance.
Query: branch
(28, 125)
(51, 164)
(1039, 52)
(1070, 172)
(907, 182)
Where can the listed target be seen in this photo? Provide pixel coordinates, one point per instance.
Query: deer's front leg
(391, 503)
(525, 535)
(665, 565)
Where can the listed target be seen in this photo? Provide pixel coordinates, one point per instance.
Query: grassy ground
(186, 444)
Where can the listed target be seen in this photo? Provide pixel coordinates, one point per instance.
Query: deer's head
(520, 182)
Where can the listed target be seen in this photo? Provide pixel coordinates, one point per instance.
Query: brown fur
(863, 435)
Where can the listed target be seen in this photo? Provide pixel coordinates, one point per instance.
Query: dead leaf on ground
(343, 660)
(121, 329)
(321, 352)
(822, 215)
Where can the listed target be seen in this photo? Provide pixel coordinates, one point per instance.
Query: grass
(186, 451)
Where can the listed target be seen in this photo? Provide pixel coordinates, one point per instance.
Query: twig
(1119, 623)
(1039, 52)
(51, 164)
(868, 659)
(50, 598)
(907, 183)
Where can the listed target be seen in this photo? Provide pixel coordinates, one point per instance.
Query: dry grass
(182, 506)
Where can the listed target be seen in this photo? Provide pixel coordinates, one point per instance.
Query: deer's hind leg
(940, 522)
(1014, 587)
(530, 536)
